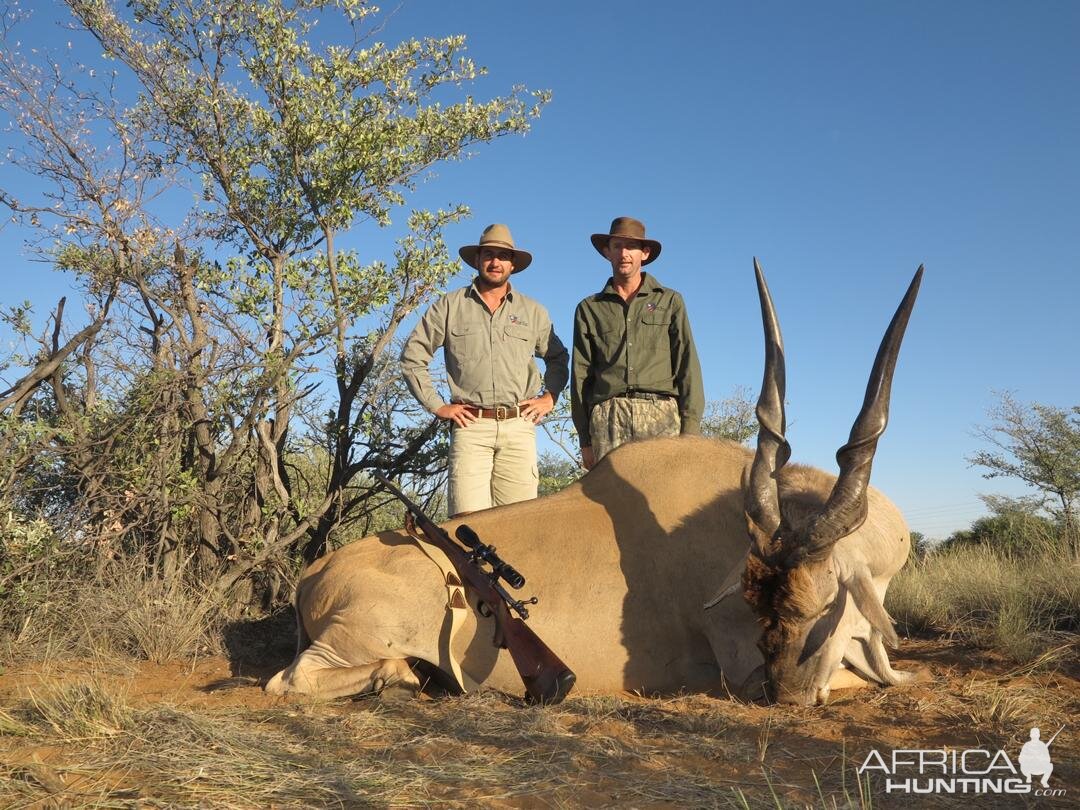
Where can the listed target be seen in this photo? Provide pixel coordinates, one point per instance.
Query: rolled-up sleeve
(418, 351)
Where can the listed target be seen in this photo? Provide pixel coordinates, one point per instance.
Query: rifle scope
(487, 553)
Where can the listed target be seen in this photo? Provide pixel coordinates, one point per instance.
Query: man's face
(626, 256)
(496, 265)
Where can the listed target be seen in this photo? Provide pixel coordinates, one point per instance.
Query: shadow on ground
(259, 648)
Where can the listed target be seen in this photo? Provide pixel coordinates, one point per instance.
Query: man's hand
(537, 408)
(588, 460)
(457, 413)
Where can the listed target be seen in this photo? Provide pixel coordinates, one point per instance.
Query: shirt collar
(475, 292)
(648, 284)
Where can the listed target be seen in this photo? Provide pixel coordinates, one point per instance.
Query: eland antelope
(681, 563)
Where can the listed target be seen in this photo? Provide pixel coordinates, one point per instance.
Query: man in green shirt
(489, 333)
(635, 372)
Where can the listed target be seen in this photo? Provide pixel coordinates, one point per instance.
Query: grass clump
(117, 610)
(1024, 607)
(80, 710)
(145, 618)
(12, 726)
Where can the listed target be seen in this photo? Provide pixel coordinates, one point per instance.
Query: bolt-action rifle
(547, 679)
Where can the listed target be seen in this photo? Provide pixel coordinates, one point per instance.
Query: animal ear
(729, 587)
(724, 593)
(861, 588)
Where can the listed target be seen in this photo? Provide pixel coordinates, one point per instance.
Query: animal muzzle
(809, 695)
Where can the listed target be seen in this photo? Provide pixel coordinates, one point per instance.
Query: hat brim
(600, 241)
(469, 254)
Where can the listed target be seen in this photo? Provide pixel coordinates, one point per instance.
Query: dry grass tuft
(996, 707)
(159, 624)
(117, 611)
(13, 727)
(80, 710)
(1024, 607)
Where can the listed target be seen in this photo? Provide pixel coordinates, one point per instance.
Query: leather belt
(642, 395)
(498, 413)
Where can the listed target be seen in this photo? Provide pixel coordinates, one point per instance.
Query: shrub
(1012, 531)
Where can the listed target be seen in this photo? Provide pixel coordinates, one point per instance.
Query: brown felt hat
(628, 228)
(495, 236)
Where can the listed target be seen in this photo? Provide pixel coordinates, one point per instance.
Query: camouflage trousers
(620, 420)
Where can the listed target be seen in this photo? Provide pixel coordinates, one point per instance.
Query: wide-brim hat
(495, 236)
(628, 228)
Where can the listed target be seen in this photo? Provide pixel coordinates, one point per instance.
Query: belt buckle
(501, 412)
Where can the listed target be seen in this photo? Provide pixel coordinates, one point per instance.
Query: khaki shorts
(620, 420)
(492, 463)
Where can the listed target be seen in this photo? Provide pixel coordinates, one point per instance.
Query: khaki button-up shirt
(489, 355)
(643, 345)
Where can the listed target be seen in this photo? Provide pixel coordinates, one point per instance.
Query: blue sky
(843, 144)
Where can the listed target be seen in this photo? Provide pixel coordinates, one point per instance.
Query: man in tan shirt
(489, 333)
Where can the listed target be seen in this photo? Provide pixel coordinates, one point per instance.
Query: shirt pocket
(653, 331)
(609, 345)
(519, 341)
(464, 345)
(657, 316)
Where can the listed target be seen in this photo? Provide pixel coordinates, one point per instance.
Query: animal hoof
(398, 692)
(920, 674)
(275, 686)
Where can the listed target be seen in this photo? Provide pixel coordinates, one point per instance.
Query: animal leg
(869, 658)
(880, 660)
(308, 675)
(845, 679)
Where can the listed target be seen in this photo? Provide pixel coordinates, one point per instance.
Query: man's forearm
(421, 387)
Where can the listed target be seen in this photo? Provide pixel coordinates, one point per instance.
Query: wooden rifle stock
(547, 679)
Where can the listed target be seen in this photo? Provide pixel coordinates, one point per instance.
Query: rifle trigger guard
(498, 640)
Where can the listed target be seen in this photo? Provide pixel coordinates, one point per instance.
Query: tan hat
(628, 228)
(496, 236)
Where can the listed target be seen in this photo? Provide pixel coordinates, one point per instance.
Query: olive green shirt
(489, 355)
(644, 345)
